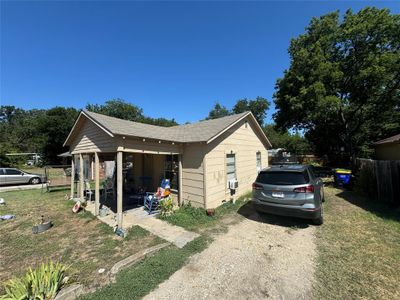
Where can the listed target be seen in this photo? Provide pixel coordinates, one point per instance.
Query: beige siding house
(388, 149)
(200, 159)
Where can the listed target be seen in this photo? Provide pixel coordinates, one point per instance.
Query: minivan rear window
(283, 178)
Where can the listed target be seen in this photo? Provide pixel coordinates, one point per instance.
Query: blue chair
(152, 200)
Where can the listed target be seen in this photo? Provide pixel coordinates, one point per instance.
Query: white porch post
(72, 176)
(81, 176)
(180, 192)
(97, 184)
(119, 189)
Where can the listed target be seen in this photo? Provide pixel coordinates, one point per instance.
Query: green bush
(167, 206)
(42, 283)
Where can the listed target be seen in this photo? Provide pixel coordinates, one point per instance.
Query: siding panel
(245, 143)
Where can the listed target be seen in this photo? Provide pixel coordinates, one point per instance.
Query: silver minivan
(289, 190)
(10, 176)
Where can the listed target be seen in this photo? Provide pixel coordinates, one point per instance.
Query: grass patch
(195, 219)
(138, 281)
(136, 232)
(358, 246)
(77, 240)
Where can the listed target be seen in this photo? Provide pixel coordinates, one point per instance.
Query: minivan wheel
(320, 219)
(34, 181)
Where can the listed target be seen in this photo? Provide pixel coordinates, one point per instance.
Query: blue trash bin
(342, 177)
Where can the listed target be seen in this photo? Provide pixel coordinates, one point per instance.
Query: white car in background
(10, 176)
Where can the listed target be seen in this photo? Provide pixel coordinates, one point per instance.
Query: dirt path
(253, 260)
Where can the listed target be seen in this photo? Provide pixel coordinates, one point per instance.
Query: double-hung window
(230, 167)
(258, 161)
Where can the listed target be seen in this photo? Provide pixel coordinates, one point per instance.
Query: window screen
(230, 166)
(258, 161)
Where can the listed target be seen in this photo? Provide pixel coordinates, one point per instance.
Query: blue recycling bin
(342, 177)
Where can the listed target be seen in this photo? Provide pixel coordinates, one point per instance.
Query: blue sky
(173, 59)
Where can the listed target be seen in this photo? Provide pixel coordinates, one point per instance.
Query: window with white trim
(258, 161)
(230, 167)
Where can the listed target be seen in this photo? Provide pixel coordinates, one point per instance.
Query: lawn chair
(88, 191)
(152, 200)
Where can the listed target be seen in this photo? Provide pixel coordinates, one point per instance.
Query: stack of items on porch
(152, 200)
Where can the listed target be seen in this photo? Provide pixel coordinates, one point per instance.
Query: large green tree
(294, 143)
(117, 108)
(121, 109)
(342, 86)
(258, 107)
(218, 111)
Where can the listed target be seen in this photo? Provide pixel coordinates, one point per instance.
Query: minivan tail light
(257, 186)
(305, 189)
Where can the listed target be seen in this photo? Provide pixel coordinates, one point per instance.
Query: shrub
(42, 283)
(167, 206)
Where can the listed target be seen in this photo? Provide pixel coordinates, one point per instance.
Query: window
(283, 178)
(13, 172)
(171, 170)
(258, 161)
(230, 167)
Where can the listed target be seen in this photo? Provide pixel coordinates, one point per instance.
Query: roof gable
(203, 131)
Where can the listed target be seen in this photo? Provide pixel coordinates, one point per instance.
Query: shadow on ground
(249, 212)
(381, 209)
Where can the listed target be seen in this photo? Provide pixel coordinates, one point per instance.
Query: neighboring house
(388, 149)
(198, 158)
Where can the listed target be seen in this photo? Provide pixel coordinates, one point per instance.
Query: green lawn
(137, 281)
(78, 240)
(358, 249)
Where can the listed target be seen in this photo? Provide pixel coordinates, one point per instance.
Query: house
(199, 159)
(388, 149)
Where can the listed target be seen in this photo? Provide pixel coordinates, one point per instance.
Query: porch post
(72, 176)
(119, 189)
(180, 192)
(97, 184)
(81, 175)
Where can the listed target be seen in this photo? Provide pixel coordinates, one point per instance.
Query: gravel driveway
(253, 260)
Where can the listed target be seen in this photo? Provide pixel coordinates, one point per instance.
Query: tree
(342, 86)
(294, 143)
(118, 108)
(258, 107)
(218, 111)
(121, 109)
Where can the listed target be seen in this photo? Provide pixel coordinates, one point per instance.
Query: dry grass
(80, 240)
(359, 253)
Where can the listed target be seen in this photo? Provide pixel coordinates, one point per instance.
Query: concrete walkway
(138, 216)
(11, 188)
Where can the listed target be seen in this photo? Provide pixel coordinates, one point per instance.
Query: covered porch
(118, 180)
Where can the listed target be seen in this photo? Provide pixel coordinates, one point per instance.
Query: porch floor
(138, 216)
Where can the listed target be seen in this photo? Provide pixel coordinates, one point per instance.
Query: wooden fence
(383, 178)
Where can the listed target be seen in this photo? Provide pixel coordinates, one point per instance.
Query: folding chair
(152, 200)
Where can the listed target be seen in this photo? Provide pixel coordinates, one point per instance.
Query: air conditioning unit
(233, 184)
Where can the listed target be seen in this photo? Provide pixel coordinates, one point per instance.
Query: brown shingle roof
(392, 139)
(201, 131)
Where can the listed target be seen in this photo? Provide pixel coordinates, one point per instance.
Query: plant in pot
(42, 225)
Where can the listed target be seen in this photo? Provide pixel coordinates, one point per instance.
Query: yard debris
(76, 207)
(103, 211)
(120, 232)
(101, 271)
(7, 217)
(2, 202)
(43, 225)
